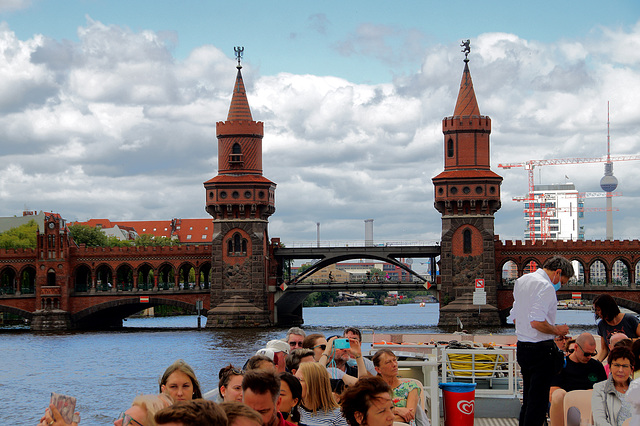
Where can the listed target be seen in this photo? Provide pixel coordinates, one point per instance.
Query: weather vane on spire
(466, 49)
(239, 51)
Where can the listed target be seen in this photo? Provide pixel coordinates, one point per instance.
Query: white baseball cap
(278, 346)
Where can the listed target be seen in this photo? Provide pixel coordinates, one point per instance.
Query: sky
(108, 108)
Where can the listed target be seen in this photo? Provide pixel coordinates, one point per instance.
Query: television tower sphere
(608, 183)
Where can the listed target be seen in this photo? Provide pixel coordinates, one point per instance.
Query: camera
(341, 344)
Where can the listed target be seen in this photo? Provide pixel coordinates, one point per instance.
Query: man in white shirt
(534, 314)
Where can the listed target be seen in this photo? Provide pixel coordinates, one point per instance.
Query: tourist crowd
(310, 380)
(606, 370)
(299, 380)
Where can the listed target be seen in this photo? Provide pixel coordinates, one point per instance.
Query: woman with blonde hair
(143, 410)
(319, 407)
(180, 382)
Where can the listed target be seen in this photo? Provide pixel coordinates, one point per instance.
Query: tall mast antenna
(608, 136)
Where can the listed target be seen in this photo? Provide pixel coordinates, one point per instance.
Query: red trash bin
(459, 403)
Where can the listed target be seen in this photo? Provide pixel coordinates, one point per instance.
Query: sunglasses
(594, 353)
(323, 346)
(294, 344)
(570, 351)
(127, 420)
(230, 371)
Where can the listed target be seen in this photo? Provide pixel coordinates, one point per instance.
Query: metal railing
(357, 243)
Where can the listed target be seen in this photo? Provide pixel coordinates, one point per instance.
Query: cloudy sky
(108, 107)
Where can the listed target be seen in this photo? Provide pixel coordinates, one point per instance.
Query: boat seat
(581, 399)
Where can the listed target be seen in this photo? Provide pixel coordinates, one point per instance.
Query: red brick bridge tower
(240, 200)
(467, 194)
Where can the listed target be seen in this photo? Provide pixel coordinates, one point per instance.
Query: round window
(492, 190)
(478, 190)
(223, 194)
(235, 194)
(261, 194)
(466, 190)
(453, 190)
(247, 194)
(440, 191)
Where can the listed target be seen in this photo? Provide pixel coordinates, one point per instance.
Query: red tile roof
(240, 179)
(187, 231)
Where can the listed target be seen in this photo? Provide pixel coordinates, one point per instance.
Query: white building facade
(557, 212)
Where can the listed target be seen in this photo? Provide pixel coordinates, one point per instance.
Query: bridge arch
(8, 280)
(110, 314)
(204, 275)
(104, 277)
(144, 274)
(581, 272)
(323, 263)
(82, 278)
(525, 266)
(16, 311)
(27, 279)
(505, 268)
(184, 272)
(166, 276)
(124, 276)
(621, 272)
(598, 271)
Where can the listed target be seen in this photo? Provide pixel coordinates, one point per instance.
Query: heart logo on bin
(465, 407)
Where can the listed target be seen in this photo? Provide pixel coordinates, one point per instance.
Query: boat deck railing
(494, 369)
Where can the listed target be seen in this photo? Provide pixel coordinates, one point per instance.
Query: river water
(105, 370)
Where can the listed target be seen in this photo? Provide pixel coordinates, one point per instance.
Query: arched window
(466, 241)
(237, 246)
(236, 154)
(450, 148)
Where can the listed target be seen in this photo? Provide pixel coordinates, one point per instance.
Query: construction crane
(532, 198)
(608, 183)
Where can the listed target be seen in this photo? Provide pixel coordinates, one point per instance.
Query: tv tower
(609, 183)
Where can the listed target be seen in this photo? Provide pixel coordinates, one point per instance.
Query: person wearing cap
(276, 351)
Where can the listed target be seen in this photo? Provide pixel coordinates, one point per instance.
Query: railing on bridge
(126, 287)
(357, 243)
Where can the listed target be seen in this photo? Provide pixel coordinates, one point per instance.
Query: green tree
(148, 240)
(92, 237)
(377, 274)
(23, 236)
(322, 298)
(115, 242)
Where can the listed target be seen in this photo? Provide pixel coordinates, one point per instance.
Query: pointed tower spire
(239, 109)
(466, 105)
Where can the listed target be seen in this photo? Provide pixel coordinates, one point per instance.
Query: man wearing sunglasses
(534, 314)
(580, 372)
(295, 337)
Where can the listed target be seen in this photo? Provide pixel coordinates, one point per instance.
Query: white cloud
(118, 127)
(10, 5)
